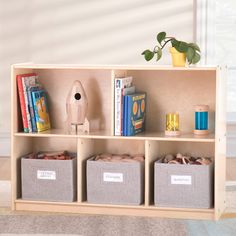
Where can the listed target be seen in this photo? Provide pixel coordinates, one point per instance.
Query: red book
(22, 100)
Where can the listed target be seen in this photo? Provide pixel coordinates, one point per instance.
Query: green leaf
(174, 43)
(161, 36)
(182, 47)
(196, 58)
(190, 54)
(159, 53)
(148, 55)
(195, 46)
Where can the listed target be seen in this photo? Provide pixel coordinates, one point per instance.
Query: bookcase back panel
(119, 146)
(194, 149)
(54, 144)
(176, 91)
(97, 86)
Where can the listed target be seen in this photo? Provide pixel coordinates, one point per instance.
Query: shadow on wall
(96, 32)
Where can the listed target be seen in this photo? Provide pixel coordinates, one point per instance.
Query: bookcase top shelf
(114, 67)
(159, 136)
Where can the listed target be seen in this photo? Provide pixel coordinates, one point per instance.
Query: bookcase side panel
(20, 147)
(151, 152)
(85, 149)
(220, 144)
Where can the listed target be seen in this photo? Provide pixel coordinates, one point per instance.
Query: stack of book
(130, 108)
(33, 103)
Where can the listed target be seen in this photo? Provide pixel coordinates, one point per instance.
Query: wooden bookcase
(168, 89)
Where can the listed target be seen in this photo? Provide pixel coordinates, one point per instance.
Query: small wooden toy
(76, 108)
(172, 124)
(201, 119)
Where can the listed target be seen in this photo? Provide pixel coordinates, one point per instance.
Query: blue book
(31, 107)
(125, 116)
(136, 113)
(125, 91)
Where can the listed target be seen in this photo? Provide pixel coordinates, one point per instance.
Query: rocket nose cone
(77, 91)
(77, 87)
(76, 104)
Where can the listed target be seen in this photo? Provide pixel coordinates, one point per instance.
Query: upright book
(40, 104)
(29, 83)
(120, 84)
(126, 91)
(24, 100)
(135, 113)
(31, 107)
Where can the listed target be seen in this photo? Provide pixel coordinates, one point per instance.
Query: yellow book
(41, 110)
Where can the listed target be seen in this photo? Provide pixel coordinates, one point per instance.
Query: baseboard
(5, 144)
(5, 196)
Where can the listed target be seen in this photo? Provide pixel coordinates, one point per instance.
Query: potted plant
(180, 50)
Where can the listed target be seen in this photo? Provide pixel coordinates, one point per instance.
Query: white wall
(225, 53)
(79, 31)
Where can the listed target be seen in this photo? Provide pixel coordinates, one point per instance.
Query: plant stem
(154, 49)
(162, 46)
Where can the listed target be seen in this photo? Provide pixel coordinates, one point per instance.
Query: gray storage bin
(189, 186)
(115, 182)
(49, 180)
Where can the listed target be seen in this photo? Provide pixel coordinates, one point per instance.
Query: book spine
(34, 128)
(122, 111)
(118, 97)
(129, 110)
(34, 101)
(125, 115)
(120, 83)
(22, 103)
(26, 104)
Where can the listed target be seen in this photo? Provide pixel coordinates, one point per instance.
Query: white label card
(112, 177)
(181, 179)
(46, 174)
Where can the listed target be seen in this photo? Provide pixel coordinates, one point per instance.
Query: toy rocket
(76, 106)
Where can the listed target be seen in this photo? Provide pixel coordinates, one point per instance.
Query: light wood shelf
(105, 135)
(169, 89)
(112, 67)
(104, 209)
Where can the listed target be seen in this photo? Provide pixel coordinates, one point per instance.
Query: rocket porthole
(77, 96)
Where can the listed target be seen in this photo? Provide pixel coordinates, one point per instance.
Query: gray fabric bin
(49, 180)
(189, 186)
(115, 182)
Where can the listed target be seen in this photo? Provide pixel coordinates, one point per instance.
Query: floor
(92, 225)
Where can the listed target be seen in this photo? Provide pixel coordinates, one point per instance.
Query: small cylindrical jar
(201, 119)
(172, 124)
